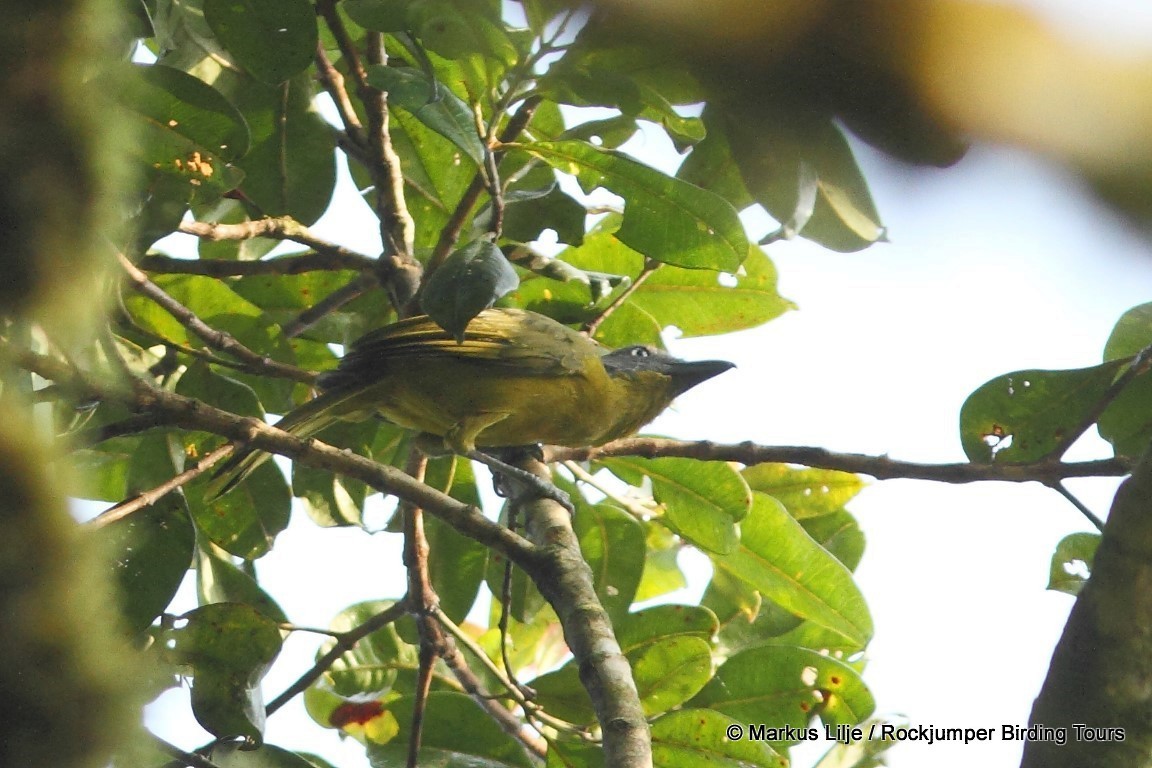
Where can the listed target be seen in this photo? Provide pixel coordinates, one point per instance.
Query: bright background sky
(998, 264)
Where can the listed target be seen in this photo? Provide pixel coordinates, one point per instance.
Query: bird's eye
(640, 352)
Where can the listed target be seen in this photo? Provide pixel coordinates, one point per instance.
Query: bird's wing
(520, 341)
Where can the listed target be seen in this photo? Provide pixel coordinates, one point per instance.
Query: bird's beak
(687, 374)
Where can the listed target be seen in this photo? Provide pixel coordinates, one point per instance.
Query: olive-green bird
(518, 378)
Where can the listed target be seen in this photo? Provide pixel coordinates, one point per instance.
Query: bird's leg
(503, 471)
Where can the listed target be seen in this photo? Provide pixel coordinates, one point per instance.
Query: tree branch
(327, 261)
(880, 467)
(212, 337)
(273, 228)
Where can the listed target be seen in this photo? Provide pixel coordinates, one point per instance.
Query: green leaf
(434, 174)
(695, 301)
(840, 534)
(665, 219)
(208, 298)
(267, 756)
(662, 572)
(804, 492)
(1127, 422)
(229, 647)
(245, 521)
(612, 542)
(667, 671)
(526, 219)
(1072, 562)
(378, 15)
(670, 671)
(188, 107)
(468, 282)
(699, 737)
(779, 161)
(1025, 415)
(291, 168)
(778, 557)
(432, 104)
(219, 581)
(148, 552)
(1131, 334)
(703, 500)
(371, 668)
(332, 500)
(781, 686)
(659, 621)
(456, 563)
(272, 39)
(457, 733)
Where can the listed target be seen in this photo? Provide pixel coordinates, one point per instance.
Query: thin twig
(190, 759)
(637, 510)
(211, 336)
(650, 266)
(150, 497)
(333, 83)
(422, 598)
(1061, 489)
(450, 234)
(348, 292)
(345, 642)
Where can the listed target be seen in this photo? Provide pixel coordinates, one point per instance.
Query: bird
(516, 378)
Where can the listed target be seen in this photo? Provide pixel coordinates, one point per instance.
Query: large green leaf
(667, 671)
(456, 563)
(702, 501)
(247, 519)
(1127, 422)
(778, 557)
(612, 542)
(804, 492)
(149, 552)
(780, 686)
(701, 737)
(697, 302)
(272, 39)
(468, 282)
(665, 219)
(291, 167)
(1026, 415)
(218, 580)
(229, 647)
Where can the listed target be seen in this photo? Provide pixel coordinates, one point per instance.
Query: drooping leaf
(218, 580)
(149, 552)
(665, 219)
(1072, 562)
(229, 647)
(272, 39)
(468, 282)
(778, 557)
(1025, 415)
(432, 104)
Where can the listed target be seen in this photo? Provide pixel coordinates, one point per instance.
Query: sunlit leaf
(778, 557)
(1026, 415)
(272, 39)
(1072, 562)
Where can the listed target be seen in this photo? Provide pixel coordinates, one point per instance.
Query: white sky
(1000, 263)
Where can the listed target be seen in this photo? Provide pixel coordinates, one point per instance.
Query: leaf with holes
(1072, 562)
(1025, 415)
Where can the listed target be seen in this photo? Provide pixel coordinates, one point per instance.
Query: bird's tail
(304, 421)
